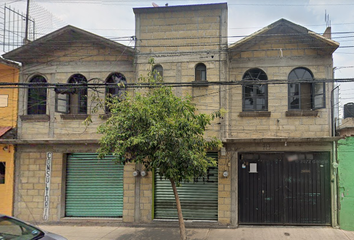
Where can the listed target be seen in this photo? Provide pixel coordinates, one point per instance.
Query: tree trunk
(182, 227)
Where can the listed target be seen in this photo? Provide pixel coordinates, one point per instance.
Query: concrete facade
(179, 39)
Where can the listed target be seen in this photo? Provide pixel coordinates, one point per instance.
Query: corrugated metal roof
(4, 130)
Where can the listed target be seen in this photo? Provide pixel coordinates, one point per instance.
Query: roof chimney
(328, 33)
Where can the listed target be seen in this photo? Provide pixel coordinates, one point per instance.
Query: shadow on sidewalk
(157, 234)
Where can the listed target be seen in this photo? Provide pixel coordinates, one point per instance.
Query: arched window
(78, 99)
(157, 71)
(303, 92)
(116, 85)
(255, 96)
(37, 96)
(200, 72)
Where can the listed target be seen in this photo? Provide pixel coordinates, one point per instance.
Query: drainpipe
(334, 165)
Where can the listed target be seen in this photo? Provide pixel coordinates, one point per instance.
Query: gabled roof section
(61, 39)
(8, 63)
(284, 26)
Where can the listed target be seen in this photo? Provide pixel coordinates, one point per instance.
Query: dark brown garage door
(284, 188)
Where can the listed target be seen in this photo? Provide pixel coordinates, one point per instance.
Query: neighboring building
(9, 73)
(345, 153)
(276, 164)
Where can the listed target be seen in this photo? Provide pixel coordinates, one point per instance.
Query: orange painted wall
(6, 189)
(8, 117)
(8, 114)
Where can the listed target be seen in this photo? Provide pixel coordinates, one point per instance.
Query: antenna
(327, 20)
(154, 4)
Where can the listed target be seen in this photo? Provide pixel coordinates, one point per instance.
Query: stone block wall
(146, 198)
(29, 204)
(224, 190)
(187, 30)
(129, 193)
(179, 38)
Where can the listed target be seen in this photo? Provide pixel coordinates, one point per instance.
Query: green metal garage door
(199, 199)
(94, 187)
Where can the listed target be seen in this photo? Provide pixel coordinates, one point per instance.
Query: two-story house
(275, 166)
(279, 137)
(58, 174)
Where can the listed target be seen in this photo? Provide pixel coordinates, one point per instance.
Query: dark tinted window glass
(37, 96)
(158, 71)
(200, 72)
(116, 86)
(13, 229)
(255, 95)
(78, 100)
(300, 93)
(2, 172)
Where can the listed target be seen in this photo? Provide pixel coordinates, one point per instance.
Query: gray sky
(114, 19)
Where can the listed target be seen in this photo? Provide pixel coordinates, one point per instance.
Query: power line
(170, 84)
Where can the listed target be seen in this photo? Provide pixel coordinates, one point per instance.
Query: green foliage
(159, 130)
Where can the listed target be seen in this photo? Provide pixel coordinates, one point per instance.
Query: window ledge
(301, 113)
(255, 114)
(74, 116)
(105, 116)
(35, 117)
(200, 83)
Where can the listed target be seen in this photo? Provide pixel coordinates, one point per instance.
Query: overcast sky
(114, 19)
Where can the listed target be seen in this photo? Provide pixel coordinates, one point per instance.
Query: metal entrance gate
(284, 188)
(94, 187)
(199, 199)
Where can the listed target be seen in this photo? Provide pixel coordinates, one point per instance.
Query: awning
(4, 130)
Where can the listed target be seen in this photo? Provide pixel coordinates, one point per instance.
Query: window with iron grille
(37, 96)
(255, 90)
(72, 98)
(303, 92)
(116, 85)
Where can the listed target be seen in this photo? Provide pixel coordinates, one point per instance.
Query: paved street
(157, 233)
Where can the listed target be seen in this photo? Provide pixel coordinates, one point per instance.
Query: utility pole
(25, 40)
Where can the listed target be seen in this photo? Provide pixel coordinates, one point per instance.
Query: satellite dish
(154, 4)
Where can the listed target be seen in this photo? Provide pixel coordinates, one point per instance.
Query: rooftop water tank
(349, 110)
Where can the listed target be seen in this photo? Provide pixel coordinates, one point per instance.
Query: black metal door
(284, 188)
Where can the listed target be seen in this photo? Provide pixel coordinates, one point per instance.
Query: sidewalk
(241, 233)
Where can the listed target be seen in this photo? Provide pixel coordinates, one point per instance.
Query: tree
(161, 131)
